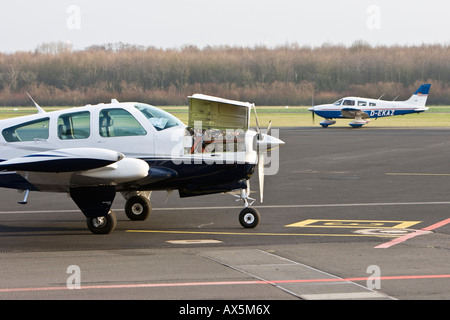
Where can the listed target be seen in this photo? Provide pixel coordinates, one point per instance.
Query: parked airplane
(92, 152)
(361, 109)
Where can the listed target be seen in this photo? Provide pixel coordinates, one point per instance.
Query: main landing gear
(138, 206)
(96, 202)
(102, 225)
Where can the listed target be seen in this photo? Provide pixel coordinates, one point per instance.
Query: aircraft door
(120, 130)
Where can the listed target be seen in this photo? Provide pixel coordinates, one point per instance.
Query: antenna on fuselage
(381, 96)
(38, 107)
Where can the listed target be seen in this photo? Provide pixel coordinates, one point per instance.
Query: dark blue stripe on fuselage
(198, 178)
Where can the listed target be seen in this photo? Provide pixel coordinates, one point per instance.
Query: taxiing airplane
(361, 109)
(95, 151)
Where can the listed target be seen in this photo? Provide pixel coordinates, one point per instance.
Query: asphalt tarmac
(351, 214)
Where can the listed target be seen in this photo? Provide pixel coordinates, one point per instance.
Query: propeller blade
(261, 175)
(258, 129)
(248, 187)
(269, 128)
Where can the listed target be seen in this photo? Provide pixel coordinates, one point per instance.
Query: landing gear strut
(248, 217)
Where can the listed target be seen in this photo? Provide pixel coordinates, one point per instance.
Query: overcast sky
(25, 24)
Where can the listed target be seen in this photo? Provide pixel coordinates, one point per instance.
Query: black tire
(138, 208)
(102, 225)
(249, 218)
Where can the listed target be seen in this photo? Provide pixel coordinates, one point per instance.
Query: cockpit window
(160, 119)
(338, 103)
(30, 131)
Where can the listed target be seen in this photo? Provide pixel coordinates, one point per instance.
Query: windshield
(160, 119)
(338, 103)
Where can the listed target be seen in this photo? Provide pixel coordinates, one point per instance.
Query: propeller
(312, 113)
(263, 142)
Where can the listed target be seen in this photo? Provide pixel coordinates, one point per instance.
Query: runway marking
(416, 174)
(412, 235)
(259, 233)
(344, 296)
(370, 224)
(194, 241)
(223, 283)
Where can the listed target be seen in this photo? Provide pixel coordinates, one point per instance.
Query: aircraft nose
(275, 142)
(271, 142)
(311, 109)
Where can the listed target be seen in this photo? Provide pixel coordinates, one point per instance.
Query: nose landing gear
(249, 217)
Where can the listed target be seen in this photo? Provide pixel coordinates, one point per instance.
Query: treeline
(286, 75)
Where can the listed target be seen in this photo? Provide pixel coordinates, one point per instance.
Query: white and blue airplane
(361, 109)
(93, 152)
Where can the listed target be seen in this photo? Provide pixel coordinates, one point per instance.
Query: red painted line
(221, 283)
(437, 225)
(412, 235)
(400, 239)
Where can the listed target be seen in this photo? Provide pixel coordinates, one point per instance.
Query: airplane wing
(354, 113)
(63, 160)
(81, 166)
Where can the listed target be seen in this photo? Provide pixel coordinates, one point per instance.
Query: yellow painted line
(379, 224)
(416, 174)
(259, 234)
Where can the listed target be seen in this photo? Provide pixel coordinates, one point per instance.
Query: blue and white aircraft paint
(361, 109)
(95, 151)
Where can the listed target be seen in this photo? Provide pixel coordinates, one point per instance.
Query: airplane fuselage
(137, 131)
(373, 108)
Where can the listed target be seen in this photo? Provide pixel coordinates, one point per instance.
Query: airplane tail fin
(419, 98)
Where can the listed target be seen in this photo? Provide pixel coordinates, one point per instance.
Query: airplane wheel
(249, 218)
(324, 126)
(102, 225)
(138, 208)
